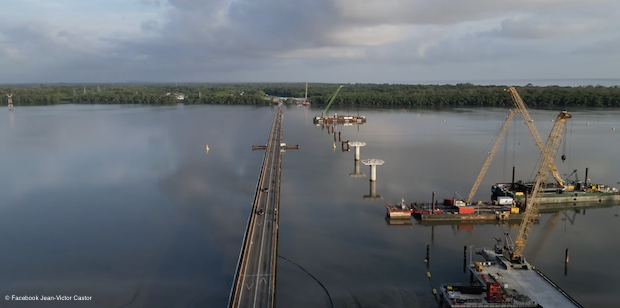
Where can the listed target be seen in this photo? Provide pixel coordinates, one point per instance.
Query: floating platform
(574, 192)
(455, 210)
(470, 225)
(336, 119)
(572, 197)
(478, 213)
(496, 282)
(399, 211)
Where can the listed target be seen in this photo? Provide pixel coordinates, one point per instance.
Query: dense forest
(378, 95)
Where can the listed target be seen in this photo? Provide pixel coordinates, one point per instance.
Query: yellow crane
(487, 163)
(530, 125)
(549, 154)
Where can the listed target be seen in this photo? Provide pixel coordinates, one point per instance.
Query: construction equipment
(530, 125)
(331, 100)
(513, 252)
(487, 163)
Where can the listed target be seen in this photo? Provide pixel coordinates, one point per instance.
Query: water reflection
(125, 196)
(356, 171)
(12, 119)
(372, 195)
(398, 222)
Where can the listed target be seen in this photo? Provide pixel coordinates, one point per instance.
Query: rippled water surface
(122, 203)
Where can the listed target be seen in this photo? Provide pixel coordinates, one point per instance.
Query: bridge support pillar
(357, 145)
(373, 173)
(373, 163)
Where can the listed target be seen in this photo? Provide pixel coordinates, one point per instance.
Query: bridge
(255, 278)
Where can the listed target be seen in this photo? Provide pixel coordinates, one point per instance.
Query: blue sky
(392, 41)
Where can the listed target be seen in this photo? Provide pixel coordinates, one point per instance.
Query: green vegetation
(377, 95)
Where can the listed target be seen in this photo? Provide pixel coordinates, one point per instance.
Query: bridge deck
(254, 283)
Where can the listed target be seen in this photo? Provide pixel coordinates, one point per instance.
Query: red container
(466, 210)
(448, 202)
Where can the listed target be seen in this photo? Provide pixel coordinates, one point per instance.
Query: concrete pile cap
(373, 161)
(357, 143)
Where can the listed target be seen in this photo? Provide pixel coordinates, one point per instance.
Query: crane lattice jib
(549, 154)
(487, 163)
(332, 100)
(532, 129)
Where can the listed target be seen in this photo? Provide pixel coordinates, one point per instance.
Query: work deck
(520, 287)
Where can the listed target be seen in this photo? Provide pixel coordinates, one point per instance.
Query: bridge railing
(248, 229)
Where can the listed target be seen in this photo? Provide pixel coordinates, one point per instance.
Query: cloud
(14, 54)
(551, 25)
(150, 2)
(610, 47)
(242, 40)
(443, 12)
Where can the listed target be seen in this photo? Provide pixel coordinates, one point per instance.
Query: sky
(344, 41)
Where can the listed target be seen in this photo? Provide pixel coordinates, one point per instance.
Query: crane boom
(530, 125)
(549, 154)
(487, 163)
(331, 100)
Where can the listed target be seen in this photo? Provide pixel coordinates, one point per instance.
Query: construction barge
(569, 191)
(336, 119)
(399, 211)
(553, 194)
(339, 119)
(498, 282)
(446, 213)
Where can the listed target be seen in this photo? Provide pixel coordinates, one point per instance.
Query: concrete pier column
(373, 163)
(357, 145)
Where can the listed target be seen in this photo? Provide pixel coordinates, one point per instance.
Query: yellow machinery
(521, 108)
(530, 125)
(549, 154)
(487, 163)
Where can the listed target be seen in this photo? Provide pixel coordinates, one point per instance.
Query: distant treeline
(377, 95)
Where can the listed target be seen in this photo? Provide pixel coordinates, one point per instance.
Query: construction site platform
(518, 285)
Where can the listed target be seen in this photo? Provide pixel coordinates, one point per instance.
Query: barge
(497, 282)
(571, 191)
(447, 213)
(554, 194)
(399, 211)
(339, 119)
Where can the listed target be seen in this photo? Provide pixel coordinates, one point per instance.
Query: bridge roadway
(254, 283)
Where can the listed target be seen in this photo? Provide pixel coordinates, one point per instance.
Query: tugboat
(401, 210)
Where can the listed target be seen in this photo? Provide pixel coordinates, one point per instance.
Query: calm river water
(122, 203)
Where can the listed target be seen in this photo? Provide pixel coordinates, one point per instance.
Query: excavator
(514, 251)
(522, 110)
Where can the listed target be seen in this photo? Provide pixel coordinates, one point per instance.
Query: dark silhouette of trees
(369, 95)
